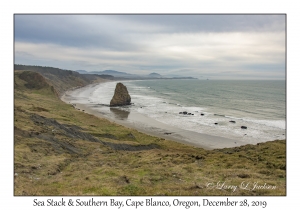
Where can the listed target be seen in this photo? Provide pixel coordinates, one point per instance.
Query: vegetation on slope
(59, 150)
(62, 80)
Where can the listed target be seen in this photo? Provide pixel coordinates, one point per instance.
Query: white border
(9, 8)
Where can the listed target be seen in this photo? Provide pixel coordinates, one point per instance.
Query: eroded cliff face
(121, 96)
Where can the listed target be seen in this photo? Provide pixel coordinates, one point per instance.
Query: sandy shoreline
(153, 127)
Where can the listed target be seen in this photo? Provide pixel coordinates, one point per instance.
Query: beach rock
(232, 121)
(180, 112)
(184, 112)
(121, 96)
(202, 114)
(243, 127)
(216, 123)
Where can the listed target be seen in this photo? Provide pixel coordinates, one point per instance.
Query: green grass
(43, 168)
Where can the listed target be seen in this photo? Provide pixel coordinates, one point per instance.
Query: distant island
(124, 75)
(155, 75)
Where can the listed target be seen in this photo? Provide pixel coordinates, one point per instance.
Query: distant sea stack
(121, 96)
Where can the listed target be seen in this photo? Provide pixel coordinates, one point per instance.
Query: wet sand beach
(148, 125)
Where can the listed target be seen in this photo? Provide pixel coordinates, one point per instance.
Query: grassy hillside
(63, 80)
(59, 150)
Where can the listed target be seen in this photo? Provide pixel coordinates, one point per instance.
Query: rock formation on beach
(121, 96)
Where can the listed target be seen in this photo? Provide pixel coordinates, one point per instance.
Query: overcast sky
(203, 46)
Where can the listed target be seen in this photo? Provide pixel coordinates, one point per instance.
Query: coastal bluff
(121, 96)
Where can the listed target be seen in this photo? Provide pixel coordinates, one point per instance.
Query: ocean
(258, 105)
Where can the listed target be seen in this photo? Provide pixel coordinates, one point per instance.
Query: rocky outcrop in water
(121, 96)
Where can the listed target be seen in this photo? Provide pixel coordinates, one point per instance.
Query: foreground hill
(59, 150)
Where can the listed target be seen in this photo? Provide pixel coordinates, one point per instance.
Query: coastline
(55, 145)
(147, 125)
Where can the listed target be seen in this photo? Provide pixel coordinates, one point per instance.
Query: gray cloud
(211, 23)
(215, 45)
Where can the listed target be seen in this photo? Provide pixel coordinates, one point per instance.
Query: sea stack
(121, 96)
